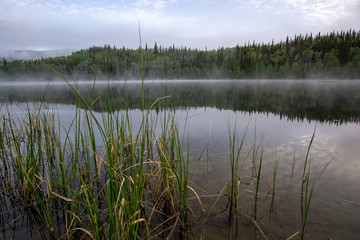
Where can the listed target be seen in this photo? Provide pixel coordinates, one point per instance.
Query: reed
(276, 165)
(235, 148)
(308, 186)
(117, 192)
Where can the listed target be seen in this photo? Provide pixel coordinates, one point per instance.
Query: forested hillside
(334, 55)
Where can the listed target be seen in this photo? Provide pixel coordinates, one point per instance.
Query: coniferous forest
(333, 55)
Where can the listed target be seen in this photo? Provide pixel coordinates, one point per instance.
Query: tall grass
(137, 182)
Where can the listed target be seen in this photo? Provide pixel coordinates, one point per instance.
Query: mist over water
(334, 101)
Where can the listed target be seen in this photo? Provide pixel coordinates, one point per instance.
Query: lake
(276, 118)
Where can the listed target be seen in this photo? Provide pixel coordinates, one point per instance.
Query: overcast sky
(56, 24)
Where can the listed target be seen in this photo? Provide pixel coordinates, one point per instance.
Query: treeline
(334, 55)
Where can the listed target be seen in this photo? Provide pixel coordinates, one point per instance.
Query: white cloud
(327, 11)
(157, 4)
(113, 13)
(34, 9)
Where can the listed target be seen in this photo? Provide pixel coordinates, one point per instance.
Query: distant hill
(11, 55)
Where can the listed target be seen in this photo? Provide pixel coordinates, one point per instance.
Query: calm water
(284, 113)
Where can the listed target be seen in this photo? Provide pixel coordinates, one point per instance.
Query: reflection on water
(325, 101)
(264, 110)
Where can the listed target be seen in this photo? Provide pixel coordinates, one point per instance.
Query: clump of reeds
(135, 186)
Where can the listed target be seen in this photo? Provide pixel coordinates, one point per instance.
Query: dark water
(284, 113)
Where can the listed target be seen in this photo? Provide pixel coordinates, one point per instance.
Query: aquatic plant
(307, 188)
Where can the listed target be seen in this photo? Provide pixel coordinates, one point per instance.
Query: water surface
(284, 114)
